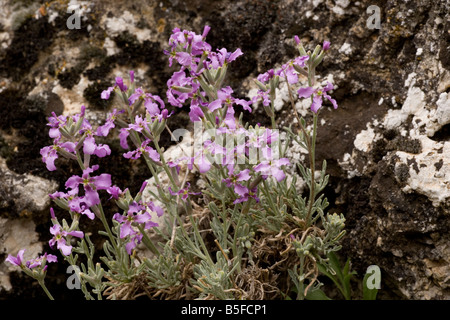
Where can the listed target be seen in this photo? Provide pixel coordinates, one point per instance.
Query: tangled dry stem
(264, 276)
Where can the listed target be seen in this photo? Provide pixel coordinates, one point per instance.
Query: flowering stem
(202, 243)
(312, 160)
(41, 282)
(107, 228)
(166, 168)
(272, 117)
(148, 242)
(300, 294)
(80, 161)
(291, 98)
(235, 239)
(310, 143)
(99, 208)
(269, 197)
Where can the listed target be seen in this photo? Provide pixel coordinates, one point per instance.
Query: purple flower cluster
(198, 83)
(71, 134)
(287, 71)
(245, 153)
(60, 238)
(290, 71)
(138, 213)
(39, 261)
(184, 193)
(198, 62)
(317, 95)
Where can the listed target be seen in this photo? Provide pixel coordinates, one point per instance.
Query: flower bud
(315, 53)
(182, 89)
(268, 111)
(223, 72)
(260, 85)
(205, 31)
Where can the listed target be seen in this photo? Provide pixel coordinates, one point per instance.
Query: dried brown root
(257, 284)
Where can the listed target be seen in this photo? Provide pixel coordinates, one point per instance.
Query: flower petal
(102, 181)
(89, 145)
(305, 92)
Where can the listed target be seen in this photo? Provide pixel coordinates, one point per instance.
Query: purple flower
(196, 113)
(144, 148)
(115, 192)
(59, 238)
(36, 262)
(234, 179)
(186, 47)
(50, 153)
(106, 93)
(90, 147)
(135, 238)
(288, 70)
(55, 123)
(123, 135)
(184, 193)
(137, 213)
(266, 76)
(52, 214)
(109, 124)
(102, 150)
(179, 80)
(133, 215)
(272, 168)
(218, 59)
(245, 194)
(262, 95)
(30, 264)
(258, 142)
(184, 58)
(224, 97)
(157, 209)
(326, 45)
(203, 164)
(79, 205)
(149, 101)
(18, 261)
(152, 108)
(119, 84)
(317, 96)
(91, 184)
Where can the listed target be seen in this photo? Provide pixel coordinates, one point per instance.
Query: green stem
(148, 242)
(235, 249)
(269, 197)
(41, 282)
(300, 293)
(202, 243)
(225, 225)
(80, 162)
(272, 118)
(107, 228)
(166, 168)
(312, 194)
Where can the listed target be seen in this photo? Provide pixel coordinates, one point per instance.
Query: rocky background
(387, 145)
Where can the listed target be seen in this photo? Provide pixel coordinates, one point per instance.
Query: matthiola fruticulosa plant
(244, 233)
